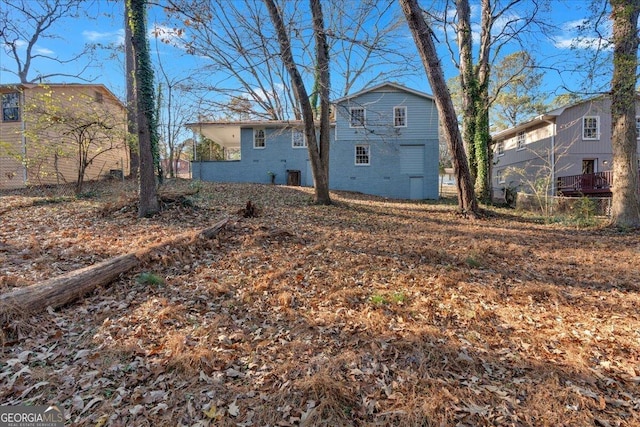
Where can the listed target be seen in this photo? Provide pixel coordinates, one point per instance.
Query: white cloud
(595, 43)
(43, 51)
(106, 36)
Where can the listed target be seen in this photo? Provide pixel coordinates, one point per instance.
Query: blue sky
(107, 66)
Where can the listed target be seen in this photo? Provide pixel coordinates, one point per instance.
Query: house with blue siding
(384, 142)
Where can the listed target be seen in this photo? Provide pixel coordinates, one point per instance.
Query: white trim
(406, 114)
(500, 148)
(364, 117)
(500, 176)
(293, 140)
(597, 128)
(377, 88)
(637, 127)
(368, 154)
(264, 139)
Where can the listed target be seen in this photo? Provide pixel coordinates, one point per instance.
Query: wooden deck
(592, 184)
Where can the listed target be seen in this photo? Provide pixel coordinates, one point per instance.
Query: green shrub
(147, 278)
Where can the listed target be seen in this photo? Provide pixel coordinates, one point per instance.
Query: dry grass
(369, 312)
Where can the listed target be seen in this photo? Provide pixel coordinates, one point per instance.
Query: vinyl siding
(570, 147)
(51, 157)
(421, 114)
(383, 176)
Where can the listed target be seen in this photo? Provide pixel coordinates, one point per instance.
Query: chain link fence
(556, 205)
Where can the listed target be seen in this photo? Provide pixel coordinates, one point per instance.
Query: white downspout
(23, 136)
(553, 156)
(553, 159)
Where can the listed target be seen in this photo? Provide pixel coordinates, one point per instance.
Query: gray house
(568, 150)
(384, 142)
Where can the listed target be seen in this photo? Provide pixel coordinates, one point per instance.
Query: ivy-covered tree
(423, 37)
(625, 206)
(148, 203)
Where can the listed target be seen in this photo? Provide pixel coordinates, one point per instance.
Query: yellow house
(60, 133)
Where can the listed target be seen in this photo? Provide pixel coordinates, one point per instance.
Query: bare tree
(364, 41)
(625, 206)
(423, 37)
(25, 23)
(318, 146)
(173, 111)
(76, 128)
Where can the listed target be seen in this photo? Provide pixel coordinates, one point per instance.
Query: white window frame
(257, 139)
(351, 118)
(500, 148)
(500, 176)
(296, 142)
(637, 127)
(521, 140)
(4, 98)
(596, 129)
(403, 116)
(359, 157)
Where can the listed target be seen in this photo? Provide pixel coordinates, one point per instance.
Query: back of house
(384, 142)
(571, 144)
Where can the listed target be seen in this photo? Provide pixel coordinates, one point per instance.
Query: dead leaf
(233, 409)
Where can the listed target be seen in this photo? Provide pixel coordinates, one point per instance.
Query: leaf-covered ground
(369, 312)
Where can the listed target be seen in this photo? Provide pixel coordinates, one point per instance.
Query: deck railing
(598, 183)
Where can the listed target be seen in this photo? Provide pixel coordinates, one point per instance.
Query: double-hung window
(638, 127)
(298, 139)
(591, 127)
(521, 139)
(400, 117)
(362, 155)
(500, 176)
(357, 117)
(11, 107)
(500, 148)
(258, 138)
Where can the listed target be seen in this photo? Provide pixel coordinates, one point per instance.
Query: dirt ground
(368, 312)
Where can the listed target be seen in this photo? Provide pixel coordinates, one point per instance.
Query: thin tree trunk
(423, 37)
(625, 207)
(317, 152)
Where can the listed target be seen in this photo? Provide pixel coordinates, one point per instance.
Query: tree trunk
(318, 152)
(625, 207)
(148, 203)
(468, 83)
(62, 290)
(130, 69)
(423, 37)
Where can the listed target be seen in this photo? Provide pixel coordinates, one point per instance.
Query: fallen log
(59, 291)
